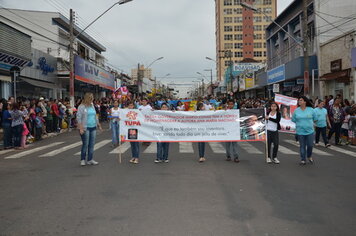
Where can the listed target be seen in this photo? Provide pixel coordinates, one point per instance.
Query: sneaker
(82, 163)
(228, 158)
(311, 161)
(166, 161)
(202, 159)
(92, 162)
(276, 161)
(269, 161)
(135, 161)
(236, 159)
(327, 145)
(317, 144)
(158, 161)
(302, 163)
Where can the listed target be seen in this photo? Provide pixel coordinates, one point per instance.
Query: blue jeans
(7, 135)
(115, 132)
(88, 139)
(162, 151)
(321, 130)
(306, 146)
(17, 131)
(135, 149)
(231, 149)
(201, 147)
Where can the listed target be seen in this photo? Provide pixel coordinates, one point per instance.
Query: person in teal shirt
(304, 117)
(322, 119)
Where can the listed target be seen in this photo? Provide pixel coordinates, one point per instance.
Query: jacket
(82, 115)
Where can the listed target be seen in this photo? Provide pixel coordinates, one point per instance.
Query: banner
(287, 106)
(200, 126)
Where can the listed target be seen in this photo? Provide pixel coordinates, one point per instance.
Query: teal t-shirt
(304, 120)
(91, 117)
(321, 117)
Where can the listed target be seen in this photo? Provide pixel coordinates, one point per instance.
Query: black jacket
(277, 120)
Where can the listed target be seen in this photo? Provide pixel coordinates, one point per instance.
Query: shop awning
(5, 78)
(40, 83)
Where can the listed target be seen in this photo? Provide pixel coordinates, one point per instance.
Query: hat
(41, 98)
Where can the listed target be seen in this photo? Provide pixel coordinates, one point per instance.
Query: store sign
(89, 73)
(336, 65)
(276, 75)
(241, 67)
(7, 61)
(290, 83)
(276, 88)
(353, 57)
(250, 82)
(300, 81)
(44, 67)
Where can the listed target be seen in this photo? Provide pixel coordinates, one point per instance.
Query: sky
(181, 31)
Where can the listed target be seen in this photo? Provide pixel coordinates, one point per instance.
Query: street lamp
(211, 59)
(139, 82)
(160, 58)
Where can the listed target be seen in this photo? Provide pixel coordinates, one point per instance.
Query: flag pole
(266, 140)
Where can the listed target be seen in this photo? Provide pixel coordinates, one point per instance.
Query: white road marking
(62, 149)
(186, 147)
(347, 152)
(152, 148)
(98, 145)
(2, 152)
(249, 148)
(28, 152)
(285, 150)
(315, 150)
(123, 148)
(217, 147)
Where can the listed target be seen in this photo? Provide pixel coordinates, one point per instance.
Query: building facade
(240, 32)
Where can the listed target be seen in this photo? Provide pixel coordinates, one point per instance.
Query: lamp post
(211, 80)
(71, 42)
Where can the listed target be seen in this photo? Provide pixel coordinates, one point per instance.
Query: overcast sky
(181, 31)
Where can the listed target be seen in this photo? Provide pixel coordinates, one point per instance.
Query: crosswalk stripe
(62, 149)
(347, 152)
(285, 150)
(152, 148)
(315, 150)
(2, 152)
(123, 148)
(249, 148)
(217, 147)
(98, 145)
(22, 154)
(186, 147)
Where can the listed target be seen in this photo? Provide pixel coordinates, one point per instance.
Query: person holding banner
(162, 147)
(304, 117)
(273, 125)
(114, 119)
(231, 147)
(87, 123)
(322, 120)
(201, 145)
(135, 146)
(180, 106)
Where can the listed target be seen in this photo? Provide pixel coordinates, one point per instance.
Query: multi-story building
(240, 32)
(144, 73)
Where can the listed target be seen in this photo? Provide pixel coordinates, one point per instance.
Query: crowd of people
(30, 119)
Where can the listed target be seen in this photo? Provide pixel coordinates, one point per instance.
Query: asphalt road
(47, 192)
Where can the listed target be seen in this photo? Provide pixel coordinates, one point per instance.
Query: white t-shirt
(181, 108)
(208, 107)
(272, 126)
(148, 106)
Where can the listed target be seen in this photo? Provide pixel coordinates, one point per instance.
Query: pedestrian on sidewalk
(304, 117)
(135, 146)
(231, 147)
(6, 125)
(115, 123)
(163, 147)
(87, 124)
(17, 124)
(201, 145)
(336, 116)
(39, 123)
(49, 120)
(322, 120)
(273, 119)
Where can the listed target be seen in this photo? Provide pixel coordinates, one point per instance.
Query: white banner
(179, 126)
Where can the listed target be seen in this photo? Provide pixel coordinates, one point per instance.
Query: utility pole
(139, 86)
(305, 47)
(71, 58)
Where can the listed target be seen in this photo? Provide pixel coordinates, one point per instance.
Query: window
(227, 28)
(238, 45)
(237, 19)
(238, 11)
(227, 2)
(267, 2)
(257, 54)
(264, 53)
(264, 45)
(227, 63)
(228, 46)
(257, 27)
(227, 20)
(238, 54)
(257, 36)
(238, 36)
(257, 19)
(228, 11)
(267, 18)
(267, 10)
(228, 37)
(257, 45)
(238, 28)
(237, 2)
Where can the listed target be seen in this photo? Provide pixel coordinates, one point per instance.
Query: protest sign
(287, 105)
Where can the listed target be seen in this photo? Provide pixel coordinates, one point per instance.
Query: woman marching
(304, 117)
(87, 123)
(162, 147)
(114, 118)
(201, 145)
(273, 118)
(135, 146)
(323, 119)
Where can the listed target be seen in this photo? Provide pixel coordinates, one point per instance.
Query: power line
(341, 17)
(329, 22)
